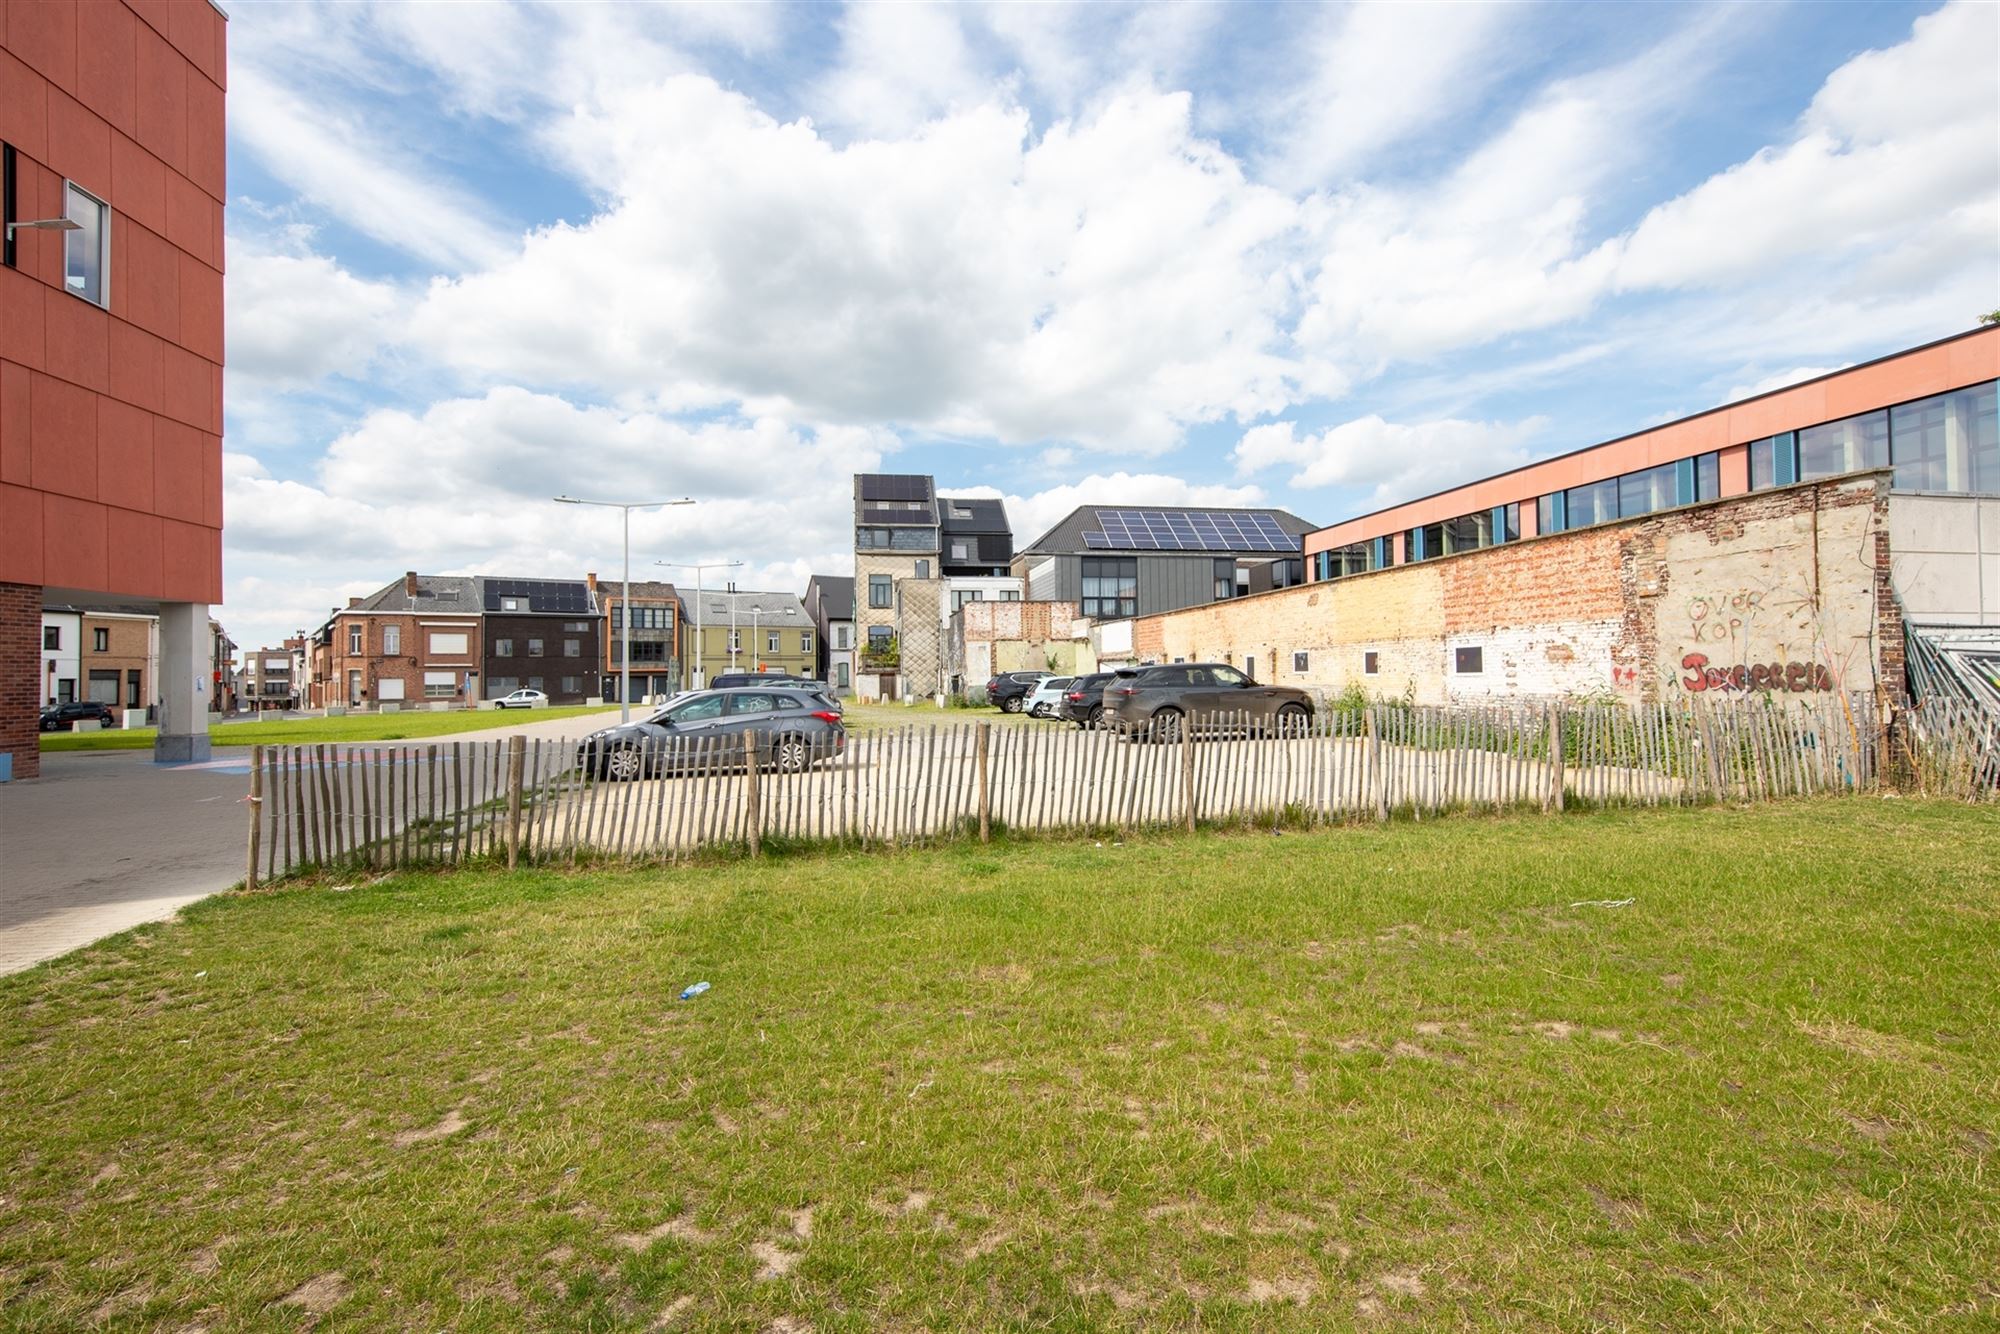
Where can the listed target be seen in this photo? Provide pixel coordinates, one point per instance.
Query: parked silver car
(793, 730)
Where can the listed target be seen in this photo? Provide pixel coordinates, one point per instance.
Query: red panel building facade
(111, 340)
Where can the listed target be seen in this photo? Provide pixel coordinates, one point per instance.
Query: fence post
(1375, 767)
(517, 762)
(752, 812)
(985, 792)
(1554, 799)
(1187, 776)
(256, 813)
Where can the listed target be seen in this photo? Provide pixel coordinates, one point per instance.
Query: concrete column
(185, 666)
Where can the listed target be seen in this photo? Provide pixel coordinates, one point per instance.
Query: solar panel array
(541, 595)
(895, 486)
(1188, 530)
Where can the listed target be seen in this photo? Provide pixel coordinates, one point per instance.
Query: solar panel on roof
(1096, 541)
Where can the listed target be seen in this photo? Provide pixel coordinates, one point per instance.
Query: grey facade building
(917, 557)
(830, 603)
(1114, 562)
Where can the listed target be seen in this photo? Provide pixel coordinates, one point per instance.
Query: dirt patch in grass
(319, 1294)
(453, 1122)
(1866, 1042)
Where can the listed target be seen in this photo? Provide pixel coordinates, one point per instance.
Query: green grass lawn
(413, 725)
(1380, 1076)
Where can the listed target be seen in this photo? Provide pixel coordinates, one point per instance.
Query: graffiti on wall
(1793, 676)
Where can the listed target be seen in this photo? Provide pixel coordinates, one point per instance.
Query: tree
(1990, 317)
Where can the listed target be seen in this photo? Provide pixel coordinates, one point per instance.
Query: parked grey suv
(1161, 701)
(794, 730)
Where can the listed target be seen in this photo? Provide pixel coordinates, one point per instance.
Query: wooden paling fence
(515, 801)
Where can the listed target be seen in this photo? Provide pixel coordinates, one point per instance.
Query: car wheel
(1095, 719)
(1012, 704)
(794, 755)
(624, 764)
(1294, 721)
(1167, 726)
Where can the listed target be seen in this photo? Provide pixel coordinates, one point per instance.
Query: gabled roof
(836, 595)
(1067, 537)
(895, 498)
(545, 597)
(976, 514)
(771, 609)
(452, 594)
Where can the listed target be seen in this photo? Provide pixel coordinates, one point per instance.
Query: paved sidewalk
(106, 840)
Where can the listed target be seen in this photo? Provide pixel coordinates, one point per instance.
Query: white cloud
(346, 168)
(900, 65)
(295, 317)
(1112, 283)
(1766, 384)
(1395, 460)
(1376, 74)
(1898, 143)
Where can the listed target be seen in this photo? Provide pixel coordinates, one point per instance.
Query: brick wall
(1783, 590)
(128, 649)
(20, 676)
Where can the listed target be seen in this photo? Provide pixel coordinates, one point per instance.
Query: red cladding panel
(44, 35)
(205, 137)
(136, 374)
(24, 108)
(211, 472)
(138, 185)
(79, 341)
(188, 380)
(16, 466)
(162, 99)
(201, 311)
(152, 272)
(75, 546)
(62, 438)
(107, 54)
(178, 478)
(124, 455)
(20, 535)
(190, 217)
(79, 144)
(189, 571)
(23, 334)
(189, 28)
(135, 552)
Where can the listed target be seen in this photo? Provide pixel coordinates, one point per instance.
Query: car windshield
(694, 710)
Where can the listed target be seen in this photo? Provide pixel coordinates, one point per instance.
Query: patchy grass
(413, 725)
(1242, 1082)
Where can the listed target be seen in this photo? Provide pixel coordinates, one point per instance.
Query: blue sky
(1323, 257)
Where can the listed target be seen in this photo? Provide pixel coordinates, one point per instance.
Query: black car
(1083, 702)
(1010, 690)
(1160, 701)
(794, 730)
(58, 717)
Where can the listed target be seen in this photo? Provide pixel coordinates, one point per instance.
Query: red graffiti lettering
(1796, 677)
(1692, 664)
(1760, 677)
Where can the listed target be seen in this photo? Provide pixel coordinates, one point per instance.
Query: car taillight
(1073, 696)
(1128, 691)
(827, 717)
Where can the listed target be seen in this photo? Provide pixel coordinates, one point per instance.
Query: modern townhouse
(62, 633)
(655, 633)
(272, 680)
(542, 634)
(1114, 562)
(829, 602)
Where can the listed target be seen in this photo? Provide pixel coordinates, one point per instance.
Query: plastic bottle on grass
(694, 991)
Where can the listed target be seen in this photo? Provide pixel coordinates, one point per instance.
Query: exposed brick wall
(1773, 590)
(20, 676)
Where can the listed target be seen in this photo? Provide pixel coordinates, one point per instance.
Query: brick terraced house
(412, 643)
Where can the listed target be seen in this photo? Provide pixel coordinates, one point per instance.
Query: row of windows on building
(771, 641)
(655, 617)
(497, 686)
(1945, 443)
(100, 639)
(882, 590)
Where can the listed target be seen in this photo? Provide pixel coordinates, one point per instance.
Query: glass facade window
(881, 591)
(1551, 513)
(1469, 661)
(1111, 586)
(87, 250)
(1469, 533)
(1647, 490)
(1594, 502)
(1844, 446)
(1225, 579)
(1708, 477)
(1950, 442)
(1510, 522)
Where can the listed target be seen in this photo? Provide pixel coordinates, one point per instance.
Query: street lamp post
(625, 591)
(699, 643)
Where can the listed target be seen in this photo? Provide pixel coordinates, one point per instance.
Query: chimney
(410, 583)
(591, 579)
(353, 603)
